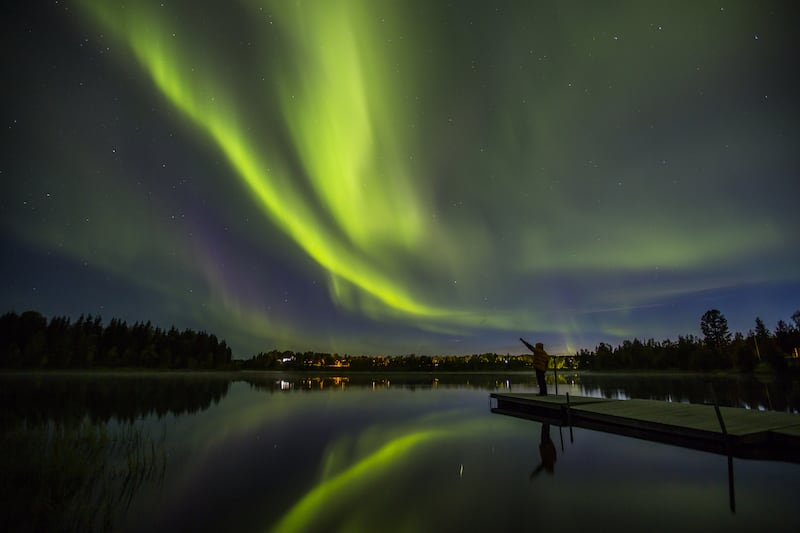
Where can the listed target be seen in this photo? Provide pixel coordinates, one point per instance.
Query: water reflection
(356, 452)
(282, 382)
(130, 396)
(74, 475)
(74, 451)
(750, 392)
(124, 396)
(547, 452)
(763, 393)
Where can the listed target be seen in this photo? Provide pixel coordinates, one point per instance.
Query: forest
(30, 341)
(717, 349)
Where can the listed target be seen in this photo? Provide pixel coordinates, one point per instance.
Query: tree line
(717, 349)
(29, 340)
(289, 360)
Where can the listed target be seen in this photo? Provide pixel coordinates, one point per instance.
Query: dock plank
(751, 433)
(699, 417)
(789, 431)
(553, 399)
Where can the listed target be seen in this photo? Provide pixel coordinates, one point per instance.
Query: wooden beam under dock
(749, 434)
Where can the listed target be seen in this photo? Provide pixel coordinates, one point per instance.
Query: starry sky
(387, 177)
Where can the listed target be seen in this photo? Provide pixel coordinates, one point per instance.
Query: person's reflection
(547, 451)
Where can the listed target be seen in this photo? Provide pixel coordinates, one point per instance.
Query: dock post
(731, 490)
(769, 400)
(726, 440)
(555, 372)
(569, 421)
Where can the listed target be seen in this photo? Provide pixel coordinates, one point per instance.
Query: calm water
(272, 452)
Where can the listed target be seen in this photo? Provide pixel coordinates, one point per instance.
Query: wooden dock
(731, 431)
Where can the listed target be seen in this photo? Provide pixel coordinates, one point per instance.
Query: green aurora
(396, 177)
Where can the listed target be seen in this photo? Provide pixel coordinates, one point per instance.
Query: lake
(396, 452)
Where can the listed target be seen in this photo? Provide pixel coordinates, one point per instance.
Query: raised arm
(526, 343)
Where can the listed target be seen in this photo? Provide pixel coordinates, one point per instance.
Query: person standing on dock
(540, 359)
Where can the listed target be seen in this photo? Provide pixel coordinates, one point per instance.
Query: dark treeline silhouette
(288, 360)
(718, 349)
(29, 340)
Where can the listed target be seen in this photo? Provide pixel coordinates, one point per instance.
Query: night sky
(386, 177)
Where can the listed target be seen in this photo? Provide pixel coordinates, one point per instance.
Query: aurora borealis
(393, 177)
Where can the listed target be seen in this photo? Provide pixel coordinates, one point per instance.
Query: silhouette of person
(540, 358)
(547, 451)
